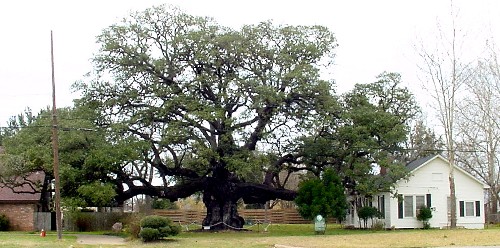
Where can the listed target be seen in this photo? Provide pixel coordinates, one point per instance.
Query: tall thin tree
(478, 123)
(444, 76)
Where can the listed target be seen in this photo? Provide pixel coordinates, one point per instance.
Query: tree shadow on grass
(162, 241)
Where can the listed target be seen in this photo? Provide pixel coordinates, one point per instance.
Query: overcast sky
(373, 36)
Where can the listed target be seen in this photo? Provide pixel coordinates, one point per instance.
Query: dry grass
(420, 238)
(409, 238)
(417, 238)
(298, 237)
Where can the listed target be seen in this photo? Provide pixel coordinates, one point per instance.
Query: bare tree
(422, 142)
(444, 77)
(478, 123)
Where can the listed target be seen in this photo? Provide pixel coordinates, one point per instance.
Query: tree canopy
(210, 101)
(369, 129)
(87, 159)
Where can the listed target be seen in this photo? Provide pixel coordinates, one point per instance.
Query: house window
(420, 201)
(470, 208)
(408, 206)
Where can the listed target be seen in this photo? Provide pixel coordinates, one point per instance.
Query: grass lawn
(290, 235)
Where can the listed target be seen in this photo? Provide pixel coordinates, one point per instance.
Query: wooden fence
(279, 216)
(91, 221)
(43, 220)
(103, 221)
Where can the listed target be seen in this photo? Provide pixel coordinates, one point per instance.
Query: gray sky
(373, 36)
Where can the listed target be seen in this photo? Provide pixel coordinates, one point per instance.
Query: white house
(428, 185)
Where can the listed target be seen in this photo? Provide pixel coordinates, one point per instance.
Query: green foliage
(422, 142)
(424, 214)
(367, 128)
(204, 96)
(366, 213)
(4, 223)
(323, 196)
(149, 234)
(100, 194)
(88, 162)
(159, 203)
(156, 227)
(192, 98)
(155, 221)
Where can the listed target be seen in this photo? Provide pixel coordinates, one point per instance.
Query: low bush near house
(366, 213)
(424, 215)
(156, 227)
(4, 223)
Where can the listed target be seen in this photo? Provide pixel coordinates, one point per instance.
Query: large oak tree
(211, 102)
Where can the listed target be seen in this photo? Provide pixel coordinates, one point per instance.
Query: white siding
(432, 178)
(469, 191)
(424, 181)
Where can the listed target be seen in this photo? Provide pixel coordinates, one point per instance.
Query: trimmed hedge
(155, 227)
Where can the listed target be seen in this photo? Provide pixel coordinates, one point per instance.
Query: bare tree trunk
(453, 199)
(220, 200)
(493, 182)
(441, 68)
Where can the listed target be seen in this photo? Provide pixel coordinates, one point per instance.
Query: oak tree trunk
(220, 199)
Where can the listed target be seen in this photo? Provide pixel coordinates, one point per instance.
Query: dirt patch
(99, 240)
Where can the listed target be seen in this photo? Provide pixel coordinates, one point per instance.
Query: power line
(358, 148)
(49, 126)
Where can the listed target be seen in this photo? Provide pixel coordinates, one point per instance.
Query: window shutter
(478, 208)
(428, 200)
(382, 206)
(462, 208)
(400, 206)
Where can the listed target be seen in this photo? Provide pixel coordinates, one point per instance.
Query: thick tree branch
(173, 193)
(259, 193)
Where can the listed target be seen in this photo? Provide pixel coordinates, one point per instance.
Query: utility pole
(55, 145)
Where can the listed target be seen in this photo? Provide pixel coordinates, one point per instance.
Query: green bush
(324, 196)
(4, 223)
(149, 234)
(162, 226)
(424, 215)
(163, 204)
(366, 213)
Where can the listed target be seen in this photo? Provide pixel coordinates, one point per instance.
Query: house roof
(26, 189)
(418, 163)
(25, 192)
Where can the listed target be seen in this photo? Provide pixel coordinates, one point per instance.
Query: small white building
(428, 185)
